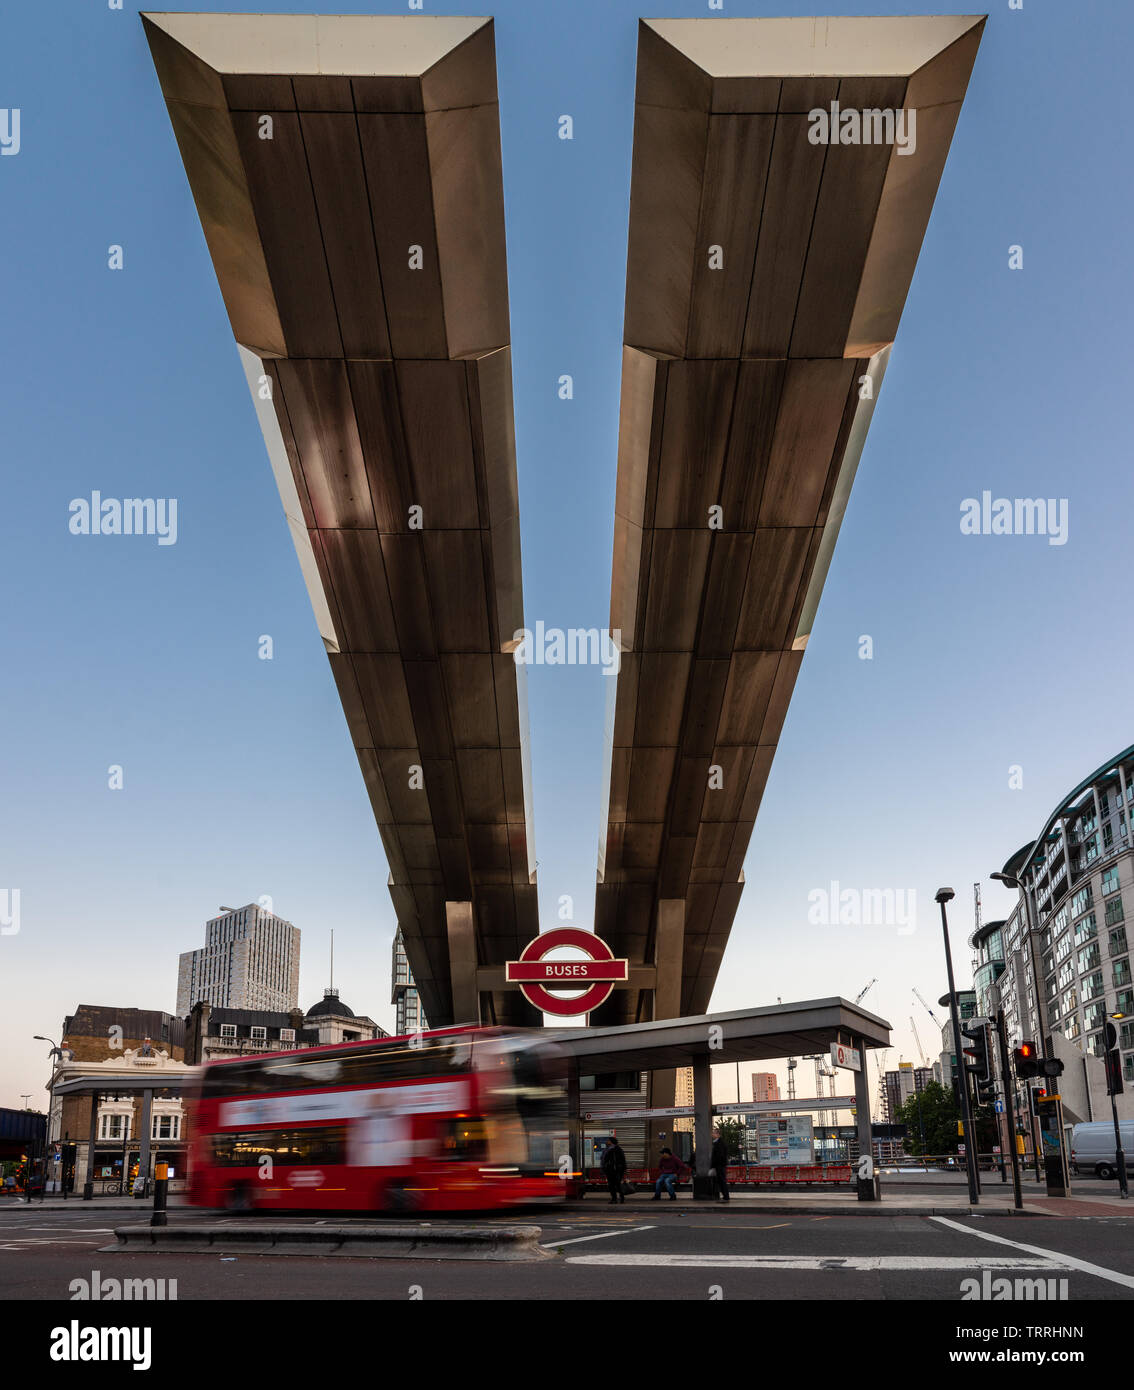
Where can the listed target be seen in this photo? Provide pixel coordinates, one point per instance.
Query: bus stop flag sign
(843, 1056)
(596, 976)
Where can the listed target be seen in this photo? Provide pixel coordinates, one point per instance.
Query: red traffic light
(1026, 1059)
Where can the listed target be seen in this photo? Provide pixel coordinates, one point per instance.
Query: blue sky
(239, 776)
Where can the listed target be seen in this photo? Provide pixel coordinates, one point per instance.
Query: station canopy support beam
(347, 174)
(767, 271)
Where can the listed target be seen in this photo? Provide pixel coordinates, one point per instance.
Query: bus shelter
(746, 1035)
(124, 1084)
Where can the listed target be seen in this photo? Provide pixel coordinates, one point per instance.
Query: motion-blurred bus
(456, 1119)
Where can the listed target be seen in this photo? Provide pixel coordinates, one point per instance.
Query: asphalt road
(649, 1252)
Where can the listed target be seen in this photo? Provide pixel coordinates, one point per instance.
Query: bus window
(323, 1072)
(464, 1139)
(287, 1148)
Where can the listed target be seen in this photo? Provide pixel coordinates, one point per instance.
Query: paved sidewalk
(1039, 1204)
(56, 1203)
(895, 1201)
(995, 1200)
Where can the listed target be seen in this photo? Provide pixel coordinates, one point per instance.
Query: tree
(732, 1132)
(931, 1117)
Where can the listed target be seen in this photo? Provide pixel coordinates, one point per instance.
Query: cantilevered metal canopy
(767, 272)
(347, 174)
(743, 1035)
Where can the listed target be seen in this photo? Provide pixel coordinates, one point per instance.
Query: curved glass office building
(1066, 940)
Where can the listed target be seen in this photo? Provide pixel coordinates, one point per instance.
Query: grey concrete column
(865, 1186)
(462, 962)
(669, 947)
(88, 1184)
(702, 1125)
(147, 1126)
(574, 1123)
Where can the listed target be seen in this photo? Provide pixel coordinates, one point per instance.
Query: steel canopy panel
(767, 271)
(346, 170)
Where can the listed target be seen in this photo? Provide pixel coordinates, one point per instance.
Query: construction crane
(791, 1066)
(976, 904)
(822, 1117)
(879, 1061)
(865, 990)
(917, 1040)
(927, 1009)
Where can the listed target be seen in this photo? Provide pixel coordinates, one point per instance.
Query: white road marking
(883, 1263)
(605, 1235)
(42, 1240)
(1055, 1256)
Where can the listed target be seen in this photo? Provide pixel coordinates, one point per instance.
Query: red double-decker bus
(456, 1119)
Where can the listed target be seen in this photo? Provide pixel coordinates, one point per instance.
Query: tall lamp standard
(56, 1051)
(1013, 881)
(942, 896)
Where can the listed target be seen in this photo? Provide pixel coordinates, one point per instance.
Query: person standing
(614, 1169)
(718, 1161)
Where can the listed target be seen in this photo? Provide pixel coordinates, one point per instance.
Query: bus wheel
(239, 1199)
(400, 1200)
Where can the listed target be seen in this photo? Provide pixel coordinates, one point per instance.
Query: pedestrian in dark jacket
(718, 1161)
(614, 1169)
(669, 1170)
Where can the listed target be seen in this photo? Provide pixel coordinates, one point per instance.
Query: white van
(1092, 1147)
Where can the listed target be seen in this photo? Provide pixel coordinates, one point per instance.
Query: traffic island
(404, 1242)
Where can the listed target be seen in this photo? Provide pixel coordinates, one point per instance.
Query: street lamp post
(943, 896)
(56, 1051)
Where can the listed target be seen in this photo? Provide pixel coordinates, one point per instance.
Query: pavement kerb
(383, 1242)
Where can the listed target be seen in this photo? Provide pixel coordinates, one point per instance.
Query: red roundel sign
(596, 976)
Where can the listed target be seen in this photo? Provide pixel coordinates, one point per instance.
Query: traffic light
(1113, 1059)
(979, 1058)
(1051, 1066)
(1026, 1060)
(1035, 1098)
